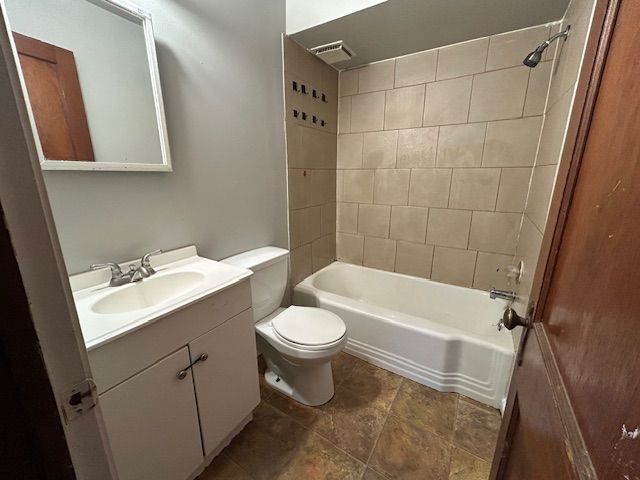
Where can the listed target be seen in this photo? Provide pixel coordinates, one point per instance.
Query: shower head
(533, 59)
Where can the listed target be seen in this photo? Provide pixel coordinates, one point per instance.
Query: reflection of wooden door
(56, 99)
(579, 381)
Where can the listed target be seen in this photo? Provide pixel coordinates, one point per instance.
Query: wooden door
(56, 99)
(227, 382)
(152, 422)
(578, 384)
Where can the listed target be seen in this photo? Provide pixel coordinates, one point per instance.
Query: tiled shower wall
(435, 155)
(566, 70)
(311, 104)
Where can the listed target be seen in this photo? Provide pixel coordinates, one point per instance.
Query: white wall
(303, 14)
(221, 72)
(111, 59)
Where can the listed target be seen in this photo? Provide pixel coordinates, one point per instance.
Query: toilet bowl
(297, 343)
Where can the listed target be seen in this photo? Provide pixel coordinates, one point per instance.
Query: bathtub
(439, 335)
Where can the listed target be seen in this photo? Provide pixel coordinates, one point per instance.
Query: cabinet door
(227, 382)
(152, 422)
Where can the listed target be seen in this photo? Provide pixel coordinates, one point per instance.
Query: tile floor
(377, 426)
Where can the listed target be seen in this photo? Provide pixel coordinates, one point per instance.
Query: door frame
(51, 314)
(597, 48)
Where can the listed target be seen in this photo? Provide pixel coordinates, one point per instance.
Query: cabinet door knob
(182, 374)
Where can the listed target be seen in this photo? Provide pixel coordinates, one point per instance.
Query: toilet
(297, 343)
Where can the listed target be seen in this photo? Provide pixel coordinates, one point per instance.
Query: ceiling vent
(332, 53)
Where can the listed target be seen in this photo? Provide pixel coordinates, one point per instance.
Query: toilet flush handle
(182, 374)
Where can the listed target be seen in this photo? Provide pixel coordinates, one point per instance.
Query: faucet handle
(145, 258)
(115, 268)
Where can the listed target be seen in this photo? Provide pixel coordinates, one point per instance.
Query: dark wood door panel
(593, 307)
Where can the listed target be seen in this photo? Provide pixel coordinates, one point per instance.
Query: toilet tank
(269, 279)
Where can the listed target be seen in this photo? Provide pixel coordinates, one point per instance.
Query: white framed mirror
(90, 73)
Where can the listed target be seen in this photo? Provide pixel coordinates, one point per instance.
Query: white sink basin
(148, 292)
(182, 277)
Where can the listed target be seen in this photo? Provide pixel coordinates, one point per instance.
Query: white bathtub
(439, 335)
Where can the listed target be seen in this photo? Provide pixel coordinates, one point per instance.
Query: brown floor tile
(350, 422)
(426, 408)
(407, 453)
(377, 386)
(465, 466)
(370, 474)
(479, 404)
(342, 365)
(304, 414)
(318, 459)
(476, 430)
(223, 468)
(267, 443)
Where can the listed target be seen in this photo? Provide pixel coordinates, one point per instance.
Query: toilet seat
(309, 327)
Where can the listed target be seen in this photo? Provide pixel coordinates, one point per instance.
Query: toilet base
(311, 385)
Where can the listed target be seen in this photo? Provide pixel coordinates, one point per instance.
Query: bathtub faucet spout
(503, 294)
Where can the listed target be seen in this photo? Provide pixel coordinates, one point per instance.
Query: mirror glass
(90, 73)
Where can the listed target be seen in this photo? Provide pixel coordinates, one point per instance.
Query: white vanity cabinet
(152, 422)
(167, 408)
(226, 383)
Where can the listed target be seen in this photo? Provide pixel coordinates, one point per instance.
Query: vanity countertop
(103, 318)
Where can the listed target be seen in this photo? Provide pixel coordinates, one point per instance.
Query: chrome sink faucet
(119, 278)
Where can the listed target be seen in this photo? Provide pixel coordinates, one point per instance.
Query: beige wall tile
(474, 188)
(294, 145)
(311, 224)
(339, 185)
(350, 150)
(494, 232)
(376, 76)
(462, 59)
(514, 185)
(380, 149)
(491, 271)
(367, 112)
(373, 220)
(570, 52)
(379, 253)
(323, 252)
(358, 186)
(461, 145)
(554, 130)
(329, 220)
(528, 251)
(301, 263)
(348, 82)
(542, 183)
(537, 89)
(349, 248)
(391, 187)
(512, 143)
(323, 186)
(429, 187)
(417, 147)
(414, 259)
(448, 228)
(509, 49)
(299, 188)
(318, 148)
(453, 266)
(295, 227)
(499, 95)
(347, 218)
(447, 102)
(409, 223)
(404, 107)
(417, 68)
(344, 115)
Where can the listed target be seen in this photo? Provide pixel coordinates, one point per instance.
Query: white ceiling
(399, 27)
(303, 14)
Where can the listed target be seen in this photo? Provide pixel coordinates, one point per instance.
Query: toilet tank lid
(257, 259)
